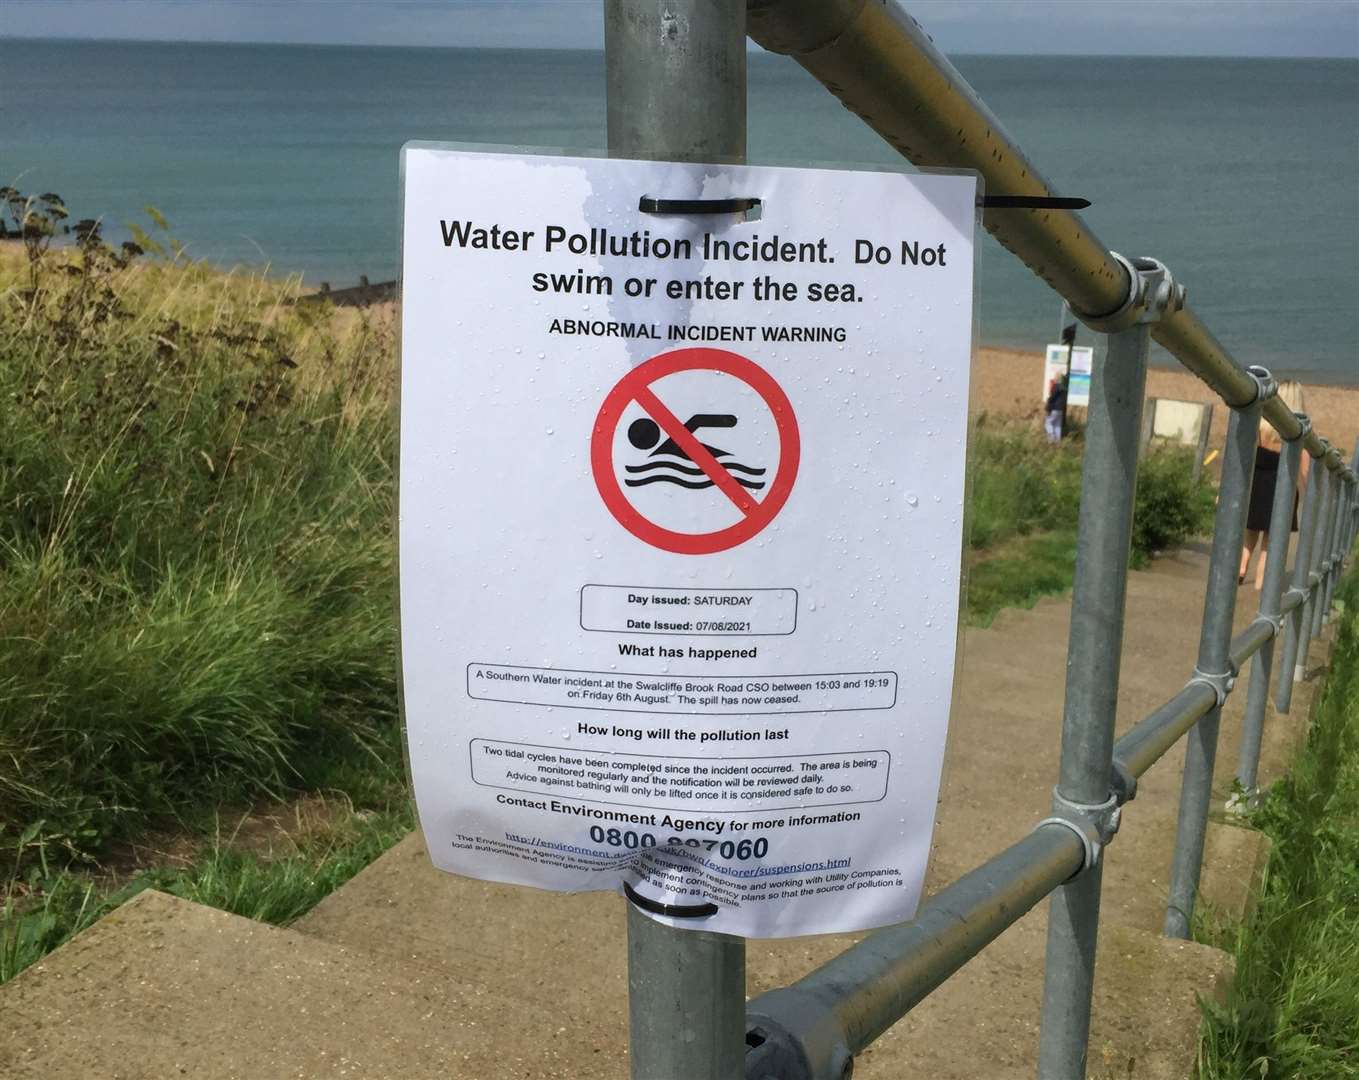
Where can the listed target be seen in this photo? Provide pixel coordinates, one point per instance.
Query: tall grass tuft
(195, 564)
(1293, 1007)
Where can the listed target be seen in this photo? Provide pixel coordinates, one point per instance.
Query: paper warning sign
(681, 528)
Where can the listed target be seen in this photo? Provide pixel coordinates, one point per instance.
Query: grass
(195, 562)
(196, 582)
(1019, 573)
(1293, 1007)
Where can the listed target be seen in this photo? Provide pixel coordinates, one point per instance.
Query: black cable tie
(651, 205)
(674, 911)
(1031, 202)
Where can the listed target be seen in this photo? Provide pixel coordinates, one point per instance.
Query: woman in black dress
(1263, 484)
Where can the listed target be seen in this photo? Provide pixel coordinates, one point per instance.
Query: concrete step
(382, 989)
(521, 940)
(166, 988)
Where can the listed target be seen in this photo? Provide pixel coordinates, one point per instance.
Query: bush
(1025, 505)
(1020, 483)
(1171, 508)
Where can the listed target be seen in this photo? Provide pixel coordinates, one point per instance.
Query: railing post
(1276, 563)
(1214, 664)
(1307, 522)
(1353, 518)
(1327, 540)
(676, 81)
(1311, 609)
(1335, 535)
(1084, 797)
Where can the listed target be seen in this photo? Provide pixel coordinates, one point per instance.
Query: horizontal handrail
(1143, 745)
(858, 995)
(1247, 643)
(883, 66)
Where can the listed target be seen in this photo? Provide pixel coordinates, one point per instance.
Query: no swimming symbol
(679, 455)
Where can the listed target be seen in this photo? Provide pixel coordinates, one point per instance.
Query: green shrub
(1171, 508)
(1026, 501)
(1020, 483)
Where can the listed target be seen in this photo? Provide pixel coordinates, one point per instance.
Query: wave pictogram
(673, 472)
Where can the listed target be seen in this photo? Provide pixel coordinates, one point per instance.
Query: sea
(1242, 175)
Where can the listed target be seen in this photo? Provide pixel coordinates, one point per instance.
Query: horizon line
(753, 48)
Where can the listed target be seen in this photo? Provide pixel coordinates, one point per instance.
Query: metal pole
(1354, 502)
(686, 1002)
(1311, 609)
(1353, 516)
(1276, 562)
(1283, 690)
(1333, 550)
(1214, 663)
(1084, 790)
(676, 81)
(1323, 558)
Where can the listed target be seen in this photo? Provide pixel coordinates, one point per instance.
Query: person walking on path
(1263, 484)
(1055, 409)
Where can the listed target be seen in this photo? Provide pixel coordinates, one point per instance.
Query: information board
(1082, 363)
(681, 502)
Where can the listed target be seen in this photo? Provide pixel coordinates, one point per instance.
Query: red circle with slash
(636, 386)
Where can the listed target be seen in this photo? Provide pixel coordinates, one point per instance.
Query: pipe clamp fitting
(1305, 423)
(1094, 825)
(1275, 621)
(794, 1035)
(1152, 295)
(1221, 682)
(1266, 385)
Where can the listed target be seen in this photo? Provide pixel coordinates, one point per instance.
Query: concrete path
(471, 975)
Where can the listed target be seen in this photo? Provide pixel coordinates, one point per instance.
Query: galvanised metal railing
(676, 79)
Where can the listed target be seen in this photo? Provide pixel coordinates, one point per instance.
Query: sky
(1083, 27)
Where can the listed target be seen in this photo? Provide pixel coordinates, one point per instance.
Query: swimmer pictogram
(644, 433)
(683, 455)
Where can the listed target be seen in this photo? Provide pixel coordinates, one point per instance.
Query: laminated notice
(681, 501)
